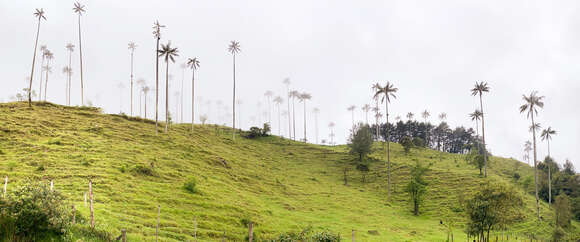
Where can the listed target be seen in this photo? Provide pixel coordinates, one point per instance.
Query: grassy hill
(283, 186)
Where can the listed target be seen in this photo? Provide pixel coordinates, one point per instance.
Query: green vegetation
(360, 141)
(280, 185)
(417, 186)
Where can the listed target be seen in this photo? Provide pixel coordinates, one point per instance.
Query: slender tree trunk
(388, 151)
(132, 86)
(234, 102)
(367, 116)
(293, 120)
(279, 123)
(40, 83)
(46, 79)
(33, 61)
(289, 123)
(535, 167)
(81, 66)
(69, 76)
(192, 96)
(304, 121)
(157, 88)
(483, 133)
(166, 95)
(145, 111)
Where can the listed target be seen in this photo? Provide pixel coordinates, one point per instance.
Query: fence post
(123, 235)
(51, 186)
(5, 185)
(74, 213)
(353, 235)
(224, 237)
(251, 231)
(157, 228)
(91, 204)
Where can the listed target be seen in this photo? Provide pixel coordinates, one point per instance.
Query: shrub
(407, 144)
(33, 212)
(143, 170)
(190, 186)
(418, 142)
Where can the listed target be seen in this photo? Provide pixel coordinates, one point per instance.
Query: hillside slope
(283, 186)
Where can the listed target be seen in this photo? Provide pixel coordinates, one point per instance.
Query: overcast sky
(433, 51)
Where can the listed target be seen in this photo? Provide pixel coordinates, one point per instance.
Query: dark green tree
(417, 186)
(475, 157)
(407, 144)
(563, 211)
(360, 140)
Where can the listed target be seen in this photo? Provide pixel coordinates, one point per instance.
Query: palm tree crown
(532, 103)
(193, 63)
(157, 29)
(132, 46)
(425, 114)
(476, 115)
(547, 133)
(39, 14)
(78, 8)
(70, 47)
(443, 116)
(234, 47)
(169, 52)
(388, 91)
(480, 88)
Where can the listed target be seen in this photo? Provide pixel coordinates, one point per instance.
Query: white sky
(433, 51)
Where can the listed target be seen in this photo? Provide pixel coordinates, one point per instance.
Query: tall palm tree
(442, 117)
(169, 53)
(294, 94)
(193, 64)
(303, 98)
(68, 72)
(47, 70)
(234, 48)
(268, 94)
(387, 92)
(287, 83)
(376, 110)
(479, 89)
(316, 111)
(278, 100)
(351, 108)
(531, 105)
(43, 53)
(40, 15)
(331, 126)
(527, 149)
(366, 109)
(547, 136)
(425, 114)
(157, 34)
(79, 9)
(476, 116)
(410, 116)
(145, 89)
(131, 48)
(70, 48)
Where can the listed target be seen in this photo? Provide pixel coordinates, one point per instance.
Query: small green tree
(407, 144)
(417, 186)
(563, 211)
(360, 140)
(475, 157)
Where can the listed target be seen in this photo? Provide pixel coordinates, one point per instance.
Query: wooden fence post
(353, 235)
(5, 185)
(123, 235)
(251, 232)
(74, 213)
(91, 204)
(51, 186)
(157, 228)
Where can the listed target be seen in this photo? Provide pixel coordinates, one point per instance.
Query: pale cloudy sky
(433, 51)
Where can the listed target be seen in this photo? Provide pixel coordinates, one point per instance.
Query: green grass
(283, 186)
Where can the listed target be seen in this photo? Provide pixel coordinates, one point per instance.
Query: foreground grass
(282, 186)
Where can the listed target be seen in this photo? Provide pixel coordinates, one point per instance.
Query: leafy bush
(143, 170)
(418, 142)
(190, 186)
(407, 144)
(32, 212)
(307, 235)
(256, 132)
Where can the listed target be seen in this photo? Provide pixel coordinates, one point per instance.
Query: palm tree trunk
(293, 120)
(388, 152)
(304, 121)
(40, 83)
(166, 95)
(69, 76)
(33, 61)
(535, 167)
(316, 128)
(279, 123)
(157, 88)
(81, 66)
(192, 96)
(145, 111)
(289, 123)
(483, 137)
(46, 79)
(132, 86)
(234, 102)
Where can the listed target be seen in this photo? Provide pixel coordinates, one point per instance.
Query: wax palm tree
(531, 105)
(425, 114)
(131, 48)
(366, 109)
(303, 97)
(316, 111)
(234, 48)
(442, 117)
(140, 84)
(157, 34)
(40, 15)
(527, 149)
(239, 103)
(79, 9)
(294, 94)
(70, 48)
(145, 89)
(183, 67)
(169, 53)
(68, 72)
(268, 94)
(43, 53)
(387, 92)
(410, 116)
(479, 89)
(47, 70)
(287, 83)
(547, 136)
(351, 108)
(331, 127)
(278, 100)
(476, 116)
(193, 64)
(376, 111)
